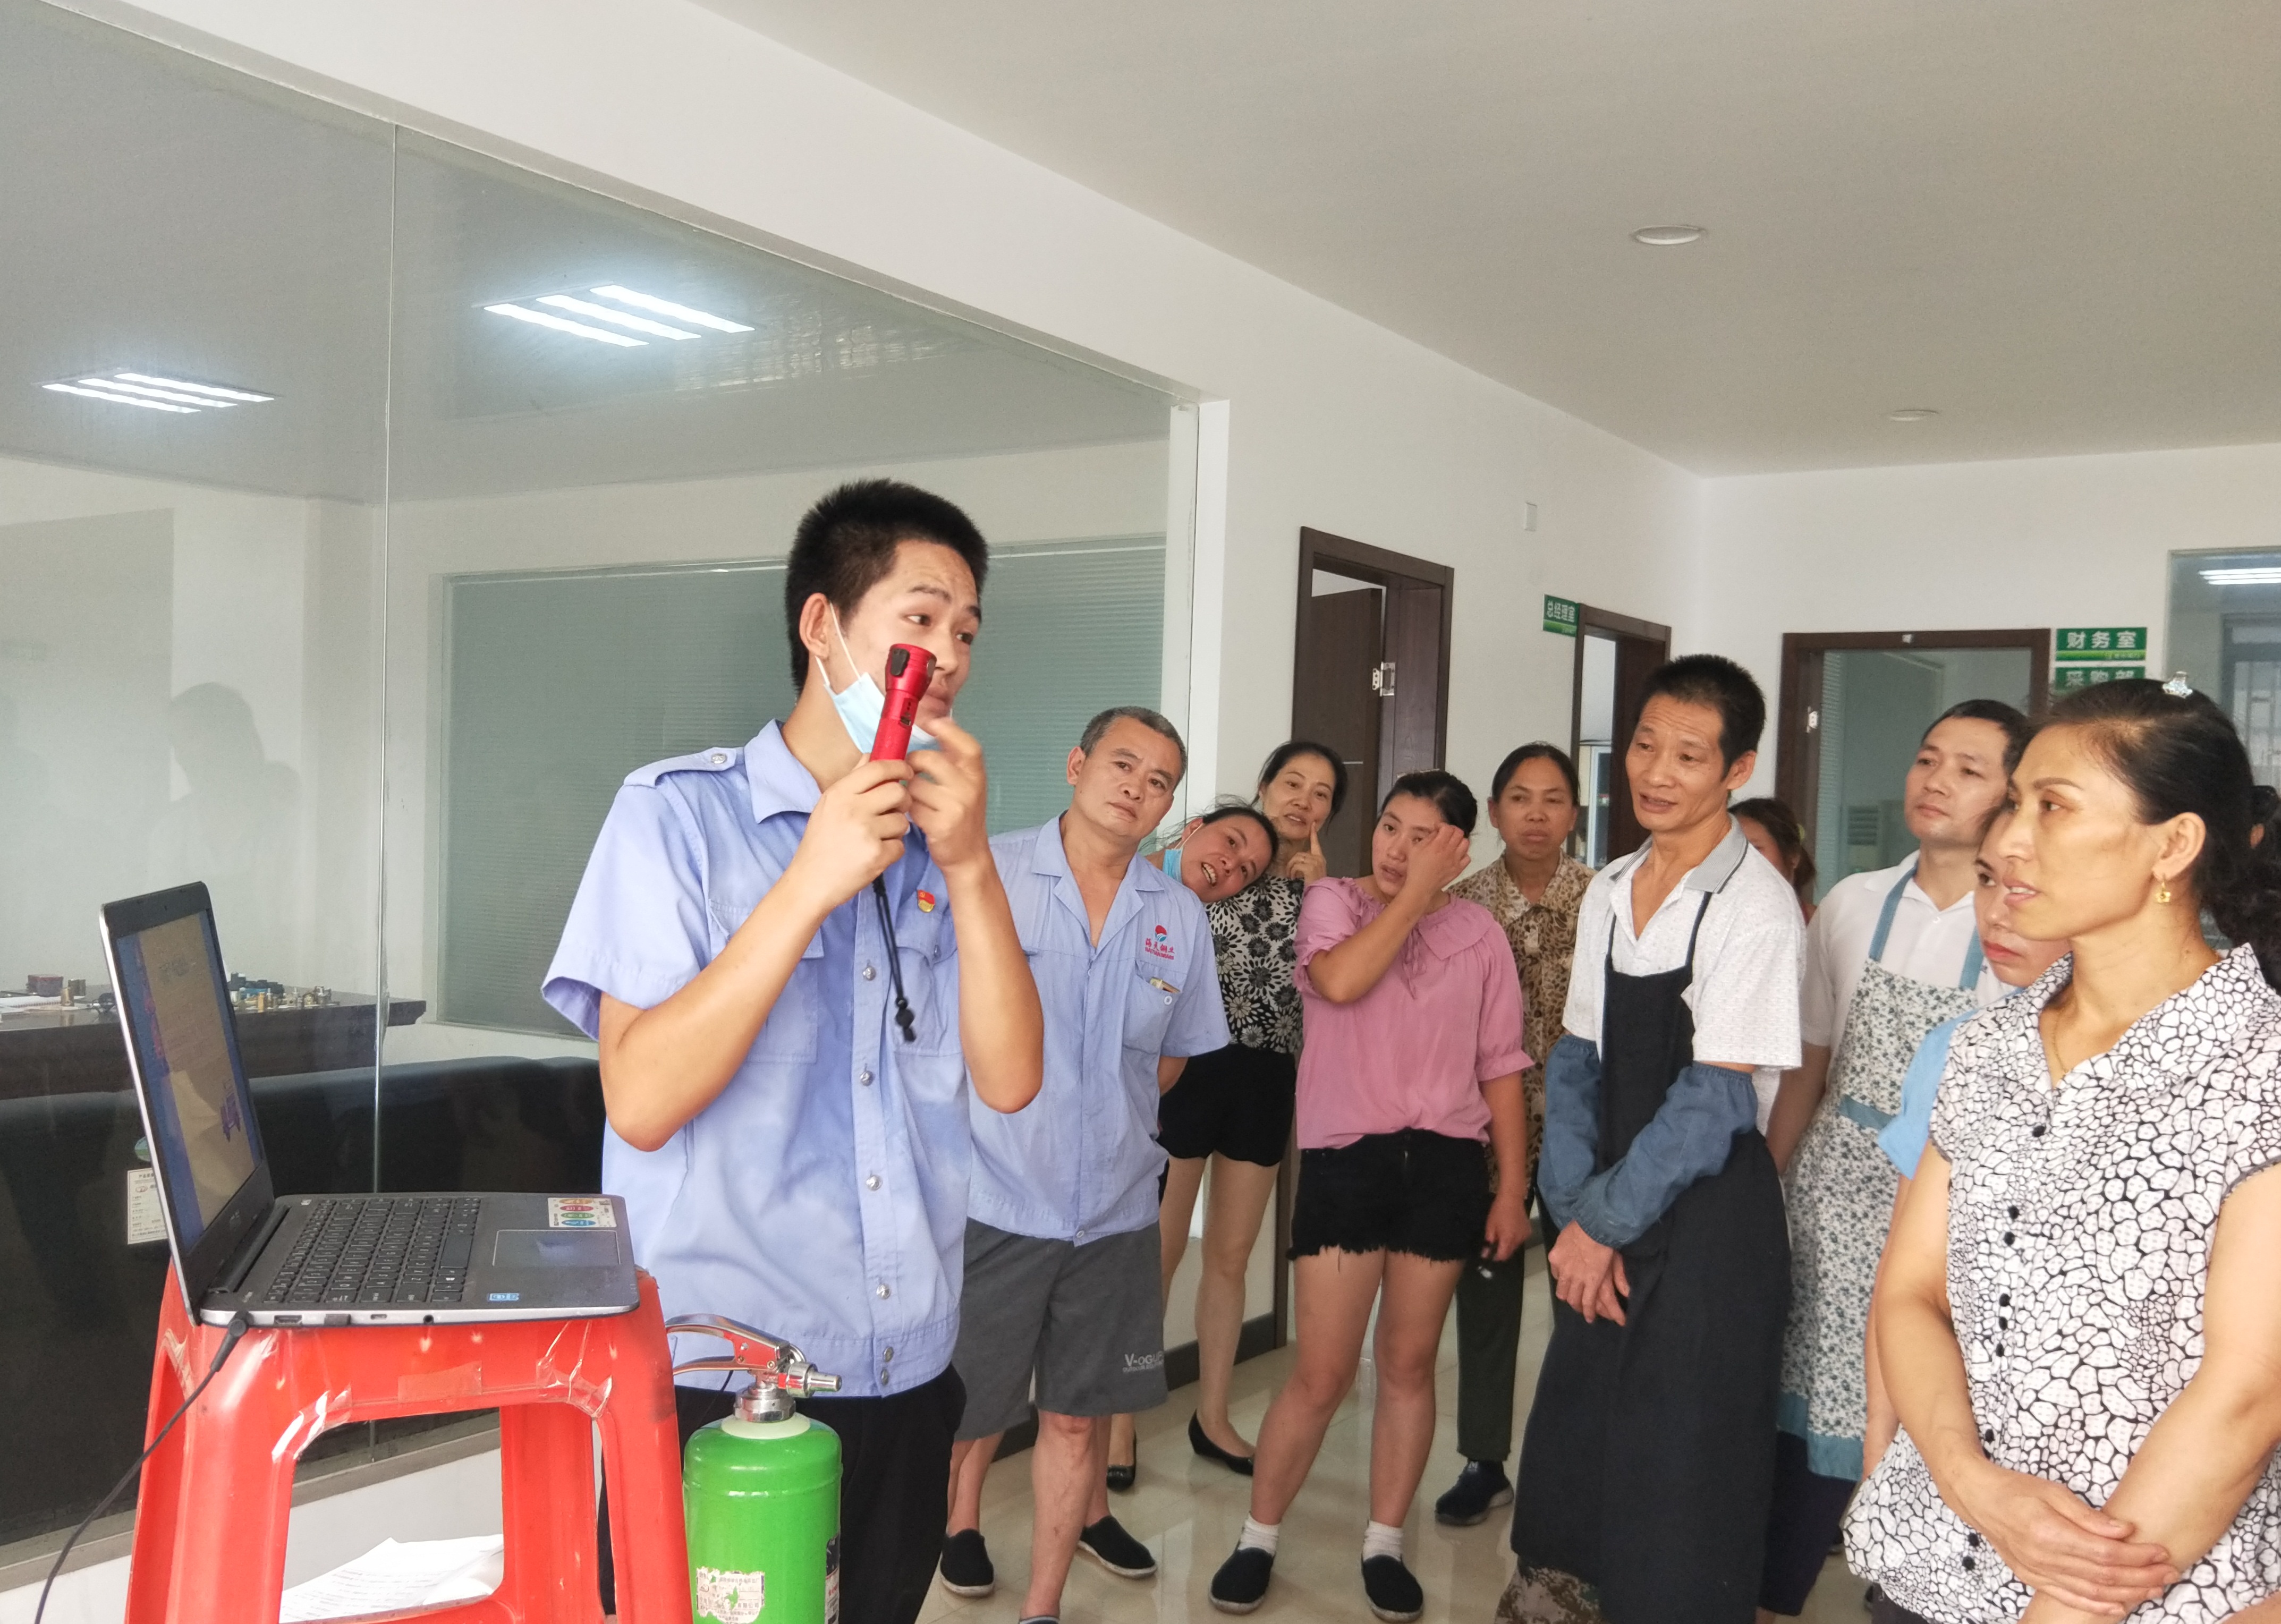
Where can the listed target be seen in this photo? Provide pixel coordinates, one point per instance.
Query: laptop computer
(443, 1257)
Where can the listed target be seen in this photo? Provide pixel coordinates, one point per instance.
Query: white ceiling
(2056, 221)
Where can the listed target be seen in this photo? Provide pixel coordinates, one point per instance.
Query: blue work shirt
(1081, 1160)
(822, 1196)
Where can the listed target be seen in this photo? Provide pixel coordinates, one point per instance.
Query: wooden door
(1641, 647)
(1334, 702)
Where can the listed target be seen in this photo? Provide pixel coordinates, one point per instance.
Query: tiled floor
(1188, 1512)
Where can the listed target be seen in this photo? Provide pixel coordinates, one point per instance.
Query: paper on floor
(407, 1573)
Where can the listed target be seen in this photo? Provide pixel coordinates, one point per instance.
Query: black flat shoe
(1201, 1442)
(1120, 1478)
(1393, 1593)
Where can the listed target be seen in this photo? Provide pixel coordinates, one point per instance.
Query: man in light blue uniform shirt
(1061, 1249)
(788, 1157)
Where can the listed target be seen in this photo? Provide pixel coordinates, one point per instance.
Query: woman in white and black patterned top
(1232, 1108)
(2078, 1318)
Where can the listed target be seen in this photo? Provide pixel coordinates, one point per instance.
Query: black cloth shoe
(1200, 1441)
(1480, 1489)
(1107, 1543)
(1394, 1595)
(966, 1569)
(1240, 1585)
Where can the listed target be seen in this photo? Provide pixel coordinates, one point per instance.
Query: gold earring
(2161, 891)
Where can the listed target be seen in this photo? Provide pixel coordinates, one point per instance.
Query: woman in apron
(1646, 1469)
(1840, 1185)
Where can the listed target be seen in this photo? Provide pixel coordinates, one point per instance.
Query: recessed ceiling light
(214, 389)
(1912, 414)
(616, 318)
(2265, 574)
(1670, 237)
(563, 324)
(104, 394)
(666, 308)
(156, 393)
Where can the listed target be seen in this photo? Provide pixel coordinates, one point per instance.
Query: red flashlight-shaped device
(909, 669)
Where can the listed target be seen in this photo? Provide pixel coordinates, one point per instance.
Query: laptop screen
(176, 1003)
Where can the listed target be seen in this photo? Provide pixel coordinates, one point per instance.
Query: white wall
(1329, 421)
(248, 573)
(2061, 541)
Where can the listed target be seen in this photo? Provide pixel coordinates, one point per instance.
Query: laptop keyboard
(380, 1249)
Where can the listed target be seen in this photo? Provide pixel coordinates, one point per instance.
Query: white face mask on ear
(862, 702)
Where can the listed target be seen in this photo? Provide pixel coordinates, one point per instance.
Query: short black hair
(1539, 751)
(1155, 722)
(2017, 729)
(1290, 750)
(846, 546)
(1445, 790)
(1718, 682)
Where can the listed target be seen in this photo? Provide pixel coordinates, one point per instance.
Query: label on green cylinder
(730, 1597)
(762, 1512)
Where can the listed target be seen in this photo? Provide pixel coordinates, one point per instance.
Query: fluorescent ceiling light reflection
(174, 395)
(118, 399)
(563, 324)
(2260, 574)
(666, 308)
(619, 318)
(214, 389)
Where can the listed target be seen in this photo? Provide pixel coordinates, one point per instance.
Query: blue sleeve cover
(1572, 1124)
(1690, 1138)
(1903, 1139)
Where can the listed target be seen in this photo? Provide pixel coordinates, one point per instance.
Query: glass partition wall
(369, 509)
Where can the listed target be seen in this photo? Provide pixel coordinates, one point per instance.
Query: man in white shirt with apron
(1889, 955)
(1648, 1464)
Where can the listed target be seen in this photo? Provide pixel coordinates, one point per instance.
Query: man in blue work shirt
(789, 1158)
(1061, 1247)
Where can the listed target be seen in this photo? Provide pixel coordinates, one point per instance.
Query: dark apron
(1647, 1469)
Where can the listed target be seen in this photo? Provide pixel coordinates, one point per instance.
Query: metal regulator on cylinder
(760, 1488)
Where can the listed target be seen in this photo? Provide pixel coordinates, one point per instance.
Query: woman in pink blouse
(1411, 1064)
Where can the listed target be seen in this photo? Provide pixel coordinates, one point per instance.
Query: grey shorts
(1088, 1321)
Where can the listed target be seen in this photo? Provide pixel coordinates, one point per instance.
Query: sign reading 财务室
(2088, 644)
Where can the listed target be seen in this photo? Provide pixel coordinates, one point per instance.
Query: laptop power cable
(239, 1325)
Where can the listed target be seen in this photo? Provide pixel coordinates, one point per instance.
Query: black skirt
(1235, 1101)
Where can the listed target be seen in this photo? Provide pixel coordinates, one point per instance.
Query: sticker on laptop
(580, 1212)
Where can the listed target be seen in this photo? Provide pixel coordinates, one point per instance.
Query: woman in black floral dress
(2079, 1318)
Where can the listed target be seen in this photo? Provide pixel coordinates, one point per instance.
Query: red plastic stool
(210, 1529)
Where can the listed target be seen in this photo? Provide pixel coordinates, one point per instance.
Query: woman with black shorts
(1411, 1065)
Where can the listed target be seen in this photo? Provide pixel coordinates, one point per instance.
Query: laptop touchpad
(556, 1249)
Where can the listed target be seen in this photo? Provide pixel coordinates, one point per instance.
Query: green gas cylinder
(760, 1489)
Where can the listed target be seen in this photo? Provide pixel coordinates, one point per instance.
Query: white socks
(1381, 1539)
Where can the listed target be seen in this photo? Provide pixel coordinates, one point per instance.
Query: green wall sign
(2086, 644)
(2068, 677)
(1559, 615)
